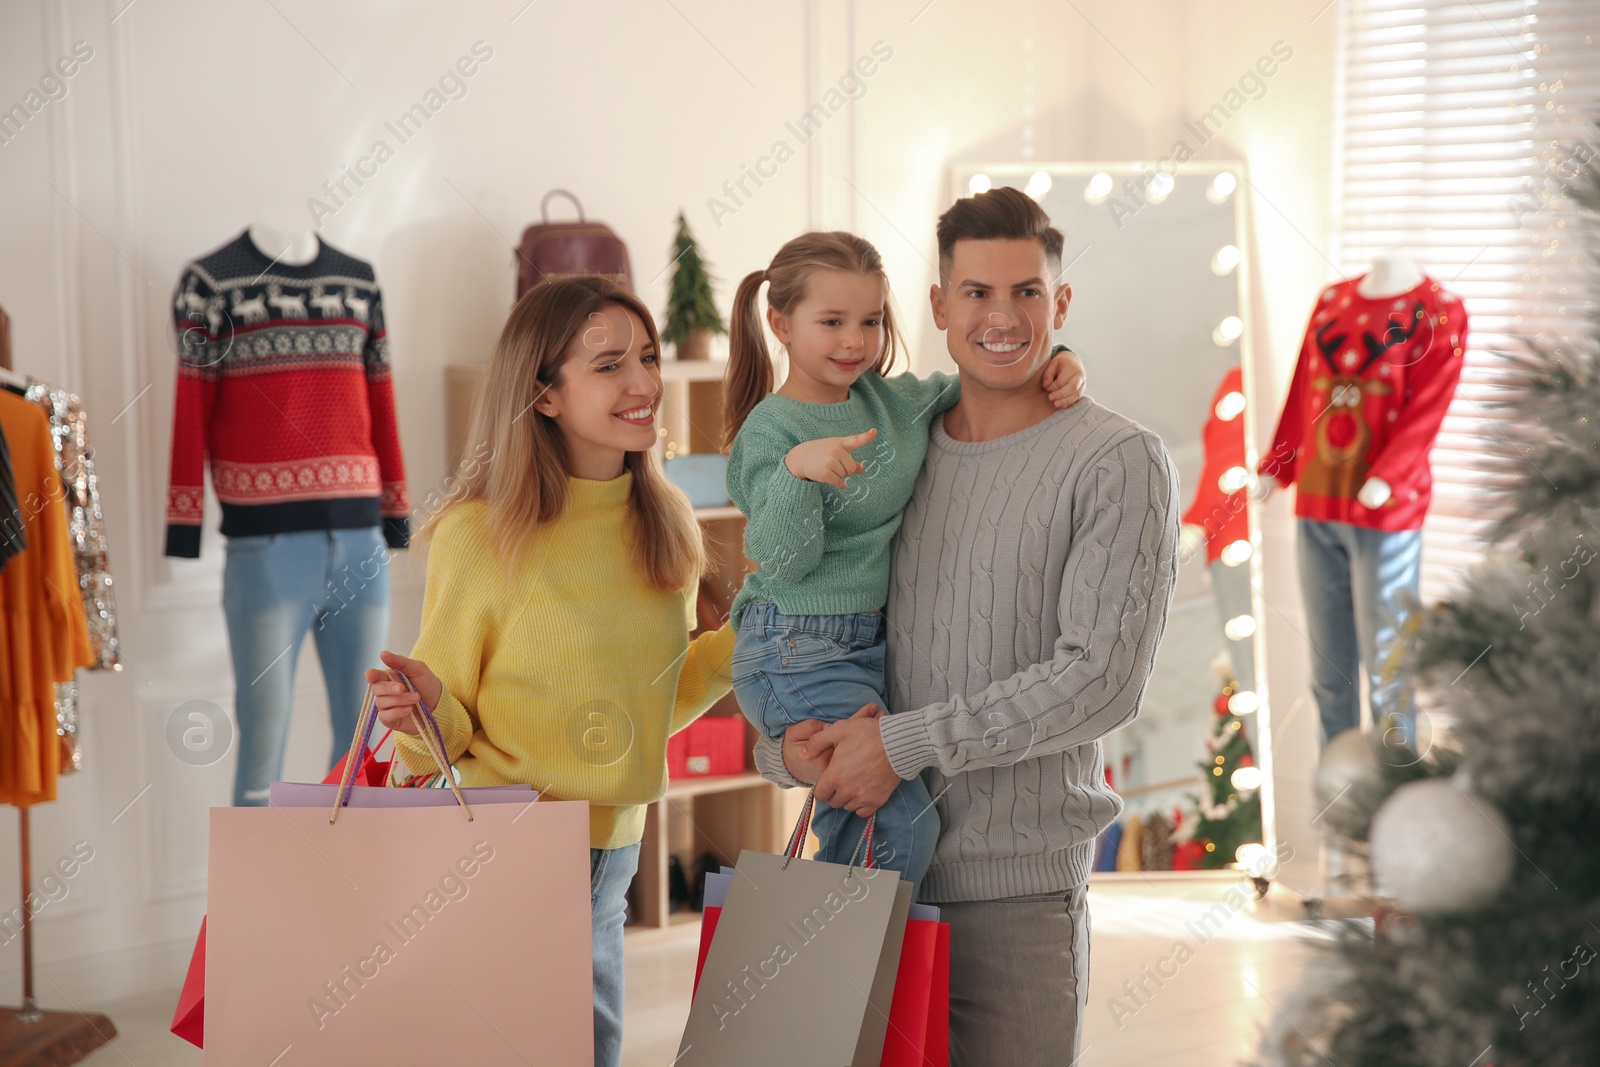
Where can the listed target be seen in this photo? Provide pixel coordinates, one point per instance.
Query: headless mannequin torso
(1391, 274)
(282, 245)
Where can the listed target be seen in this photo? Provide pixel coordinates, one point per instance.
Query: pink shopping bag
(359, 934)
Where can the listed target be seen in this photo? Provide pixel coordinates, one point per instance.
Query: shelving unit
(719, 816)
(716, 815)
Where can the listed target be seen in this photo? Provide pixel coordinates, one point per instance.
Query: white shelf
(726, 511)
(693, 370)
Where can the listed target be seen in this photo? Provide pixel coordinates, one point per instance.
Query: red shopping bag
(919, 1018)
(188, 1022)
(913, 1019)
(938, 1050)
(371, 771)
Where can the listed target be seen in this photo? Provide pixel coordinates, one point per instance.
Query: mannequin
(285, 395)
(1379, 364)
(293, 248)
(1391, 274)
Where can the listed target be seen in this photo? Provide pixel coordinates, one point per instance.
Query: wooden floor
(1240, 969)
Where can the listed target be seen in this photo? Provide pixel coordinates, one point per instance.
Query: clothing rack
(30, 1037)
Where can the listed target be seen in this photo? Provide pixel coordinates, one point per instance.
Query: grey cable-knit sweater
(1030, 586)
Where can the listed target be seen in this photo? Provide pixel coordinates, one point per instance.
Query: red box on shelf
(711, 745)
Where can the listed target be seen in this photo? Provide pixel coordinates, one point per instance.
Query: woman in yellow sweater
(561, 587)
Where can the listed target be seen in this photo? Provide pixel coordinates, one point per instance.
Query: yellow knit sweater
(569, 673)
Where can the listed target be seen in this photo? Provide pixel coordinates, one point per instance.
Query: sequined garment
(69, 431)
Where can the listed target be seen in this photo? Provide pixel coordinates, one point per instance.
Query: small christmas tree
(692, 315)
(1229, 816)
(1492, 856)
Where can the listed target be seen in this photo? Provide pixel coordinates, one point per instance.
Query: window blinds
(1457, 123)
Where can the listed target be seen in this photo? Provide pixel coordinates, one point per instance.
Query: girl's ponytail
(750, 375)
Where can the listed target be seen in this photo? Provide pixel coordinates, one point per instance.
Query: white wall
(191, 119)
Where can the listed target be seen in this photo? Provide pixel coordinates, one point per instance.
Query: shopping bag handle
(428, 732)
(797, 837)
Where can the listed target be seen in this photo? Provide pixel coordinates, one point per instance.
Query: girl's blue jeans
(789, 668)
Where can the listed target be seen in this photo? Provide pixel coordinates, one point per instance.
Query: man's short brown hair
(999, 214)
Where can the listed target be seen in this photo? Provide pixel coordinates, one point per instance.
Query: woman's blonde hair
(750, 374)
(522, 475)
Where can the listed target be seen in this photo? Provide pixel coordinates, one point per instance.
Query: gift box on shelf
(712, 744)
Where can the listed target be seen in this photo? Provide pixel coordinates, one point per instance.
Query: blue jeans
(611, 871)
(1354, 581)
(788, 668)
(275, 587)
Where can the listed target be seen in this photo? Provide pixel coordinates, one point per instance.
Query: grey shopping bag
(802, 968)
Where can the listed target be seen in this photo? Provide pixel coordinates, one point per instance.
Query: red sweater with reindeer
(283, 386)
(1368, 396)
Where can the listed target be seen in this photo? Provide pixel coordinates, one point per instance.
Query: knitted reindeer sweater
(1369, 393)
(283, 385)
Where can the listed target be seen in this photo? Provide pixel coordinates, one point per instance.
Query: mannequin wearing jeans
(1355, 584)
(284, 394)
(275, 587)
(1379, 364)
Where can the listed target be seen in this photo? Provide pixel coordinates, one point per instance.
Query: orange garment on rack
(44, 636)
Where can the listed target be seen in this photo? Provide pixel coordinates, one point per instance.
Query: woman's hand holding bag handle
(418, 686)
(419, 722)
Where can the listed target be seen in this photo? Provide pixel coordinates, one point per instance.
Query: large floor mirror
(1156, 258)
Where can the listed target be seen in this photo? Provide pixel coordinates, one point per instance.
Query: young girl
(821, 521)
(561, 587)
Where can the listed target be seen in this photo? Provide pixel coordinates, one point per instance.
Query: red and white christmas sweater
(1222, 514)
(1369, 393)
(284, 387)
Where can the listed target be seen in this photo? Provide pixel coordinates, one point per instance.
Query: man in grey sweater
(1029, 589)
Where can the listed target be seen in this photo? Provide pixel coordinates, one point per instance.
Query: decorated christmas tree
(1490, 851)
(1230, 813)
(692, 315)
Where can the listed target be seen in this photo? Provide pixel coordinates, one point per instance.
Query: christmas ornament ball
(1439, 851)
(1347, 760)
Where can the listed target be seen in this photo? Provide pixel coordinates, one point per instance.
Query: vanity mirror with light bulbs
(1158, 260)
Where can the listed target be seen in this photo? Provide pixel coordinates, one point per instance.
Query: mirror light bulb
(1225, 260)
(1236, 553)
(1098, 189)
(1244, 702)
(1252, 856)
(1245, 780)
(1228, 331)
(1221, 187)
